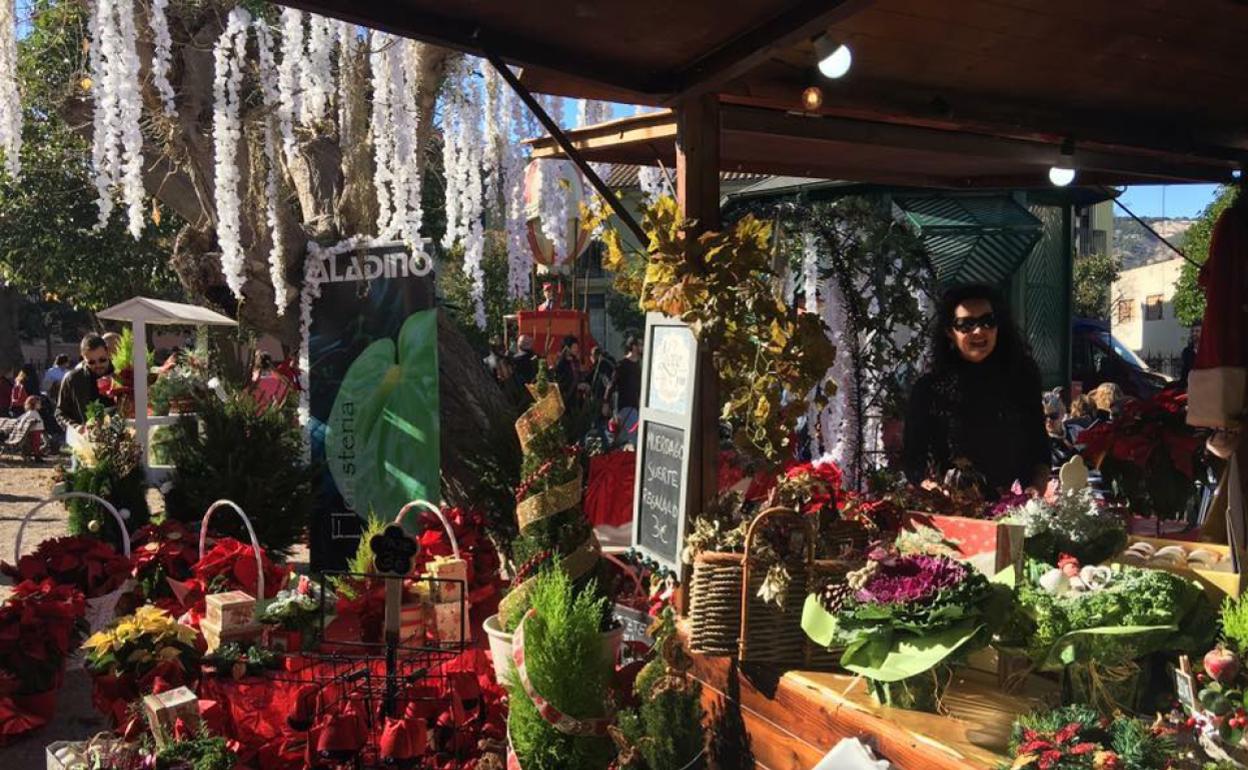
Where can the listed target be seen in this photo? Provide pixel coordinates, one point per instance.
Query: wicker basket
(729, 618)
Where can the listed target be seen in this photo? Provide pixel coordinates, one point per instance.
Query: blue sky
(1171, 200)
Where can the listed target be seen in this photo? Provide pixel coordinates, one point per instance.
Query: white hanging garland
(290, 102)
(162, 55)
(394, 123)
(228, 56)
(117, 147)
(463, 156)
(10, 98)
(519, 254)
(317, 70)
(269, 88)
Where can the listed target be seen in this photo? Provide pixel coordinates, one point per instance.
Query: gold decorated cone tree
(553, 529)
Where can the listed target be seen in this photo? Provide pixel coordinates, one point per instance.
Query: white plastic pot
(501, 646)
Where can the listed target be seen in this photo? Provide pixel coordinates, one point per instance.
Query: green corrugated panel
(972, 239)
(1045, 291)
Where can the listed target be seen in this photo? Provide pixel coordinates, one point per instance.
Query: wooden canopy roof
(965, 93)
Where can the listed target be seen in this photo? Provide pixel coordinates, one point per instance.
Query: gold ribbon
(544, 412)
(576, 564)
(546, 504)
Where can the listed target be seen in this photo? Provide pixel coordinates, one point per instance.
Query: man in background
(80, 387)
(524, 362)
(626, 386)
(51, 382)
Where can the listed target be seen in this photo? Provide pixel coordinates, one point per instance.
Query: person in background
(975, 418)
(505, 375)
(601, 372)
(1060, 447)
(1188, 356)
(568, 374)
(25, 386)
(524, 362)
(268, 386)
(80, 386)
(6, 390)
(550, 297)
(1108, 399)
(24, 433)
(51, 382)
(112, 340)
(626, 387)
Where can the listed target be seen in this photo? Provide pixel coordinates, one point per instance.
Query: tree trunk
(10, 339)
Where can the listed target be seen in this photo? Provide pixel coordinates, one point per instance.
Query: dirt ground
(21, 486)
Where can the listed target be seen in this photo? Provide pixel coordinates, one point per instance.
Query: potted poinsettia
(904, 618)
(40, 626)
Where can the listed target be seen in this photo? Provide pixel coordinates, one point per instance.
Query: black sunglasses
(968, 325)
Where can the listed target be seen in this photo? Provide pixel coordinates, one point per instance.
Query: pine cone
(834, 595)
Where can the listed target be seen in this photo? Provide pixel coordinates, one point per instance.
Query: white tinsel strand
(651, 179)
(519, 255)
(130, 112)
(381, 126)
(228, 56)
(288, 79)
(161, 55)
(317, 72)
(117, 146)
(10, 98)
(404, 117)
(269, 89)
(591, 112)
(104, 110)
(839, 443)
(463, 154)
(810, 272)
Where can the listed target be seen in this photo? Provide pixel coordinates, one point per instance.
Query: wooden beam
(555, 131)
(463, 35)
(901, 137)
(754, 46)
(697, 160)
(637, 129)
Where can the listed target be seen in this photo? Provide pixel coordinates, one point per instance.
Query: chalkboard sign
(665, 441)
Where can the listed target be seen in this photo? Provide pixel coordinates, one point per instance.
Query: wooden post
(697, 193)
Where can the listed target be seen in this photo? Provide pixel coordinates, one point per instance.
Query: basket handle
(121, 520)
(629, 570)
(251, 532)
(435, 510)
(742, 639)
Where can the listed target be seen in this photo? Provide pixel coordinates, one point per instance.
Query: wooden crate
(1218, 583)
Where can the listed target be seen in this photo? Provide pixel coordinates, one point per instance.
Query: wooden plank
(636, 129)
(807, 713)
(697, 160)
(751, 48)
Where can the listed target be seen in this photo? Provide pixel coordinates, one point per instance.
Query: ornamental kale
(901, 616)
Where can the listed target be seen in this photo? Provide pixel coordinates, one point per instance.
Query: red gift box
(990, 546)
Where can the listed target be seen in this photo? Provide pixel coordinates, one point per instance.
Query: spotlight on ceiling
(1062, 173)
(834, 58)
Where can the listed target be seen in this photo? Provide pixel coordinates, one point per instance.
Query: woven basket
(729, 618)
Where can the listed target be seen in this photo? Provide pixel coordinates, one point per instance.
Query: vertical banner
(372, 368)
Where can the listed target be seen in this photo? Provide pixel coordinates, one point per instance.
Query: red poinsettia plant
(1148, 454)
(89, 564)
(160, 551)
(41, 624)
(230, 565)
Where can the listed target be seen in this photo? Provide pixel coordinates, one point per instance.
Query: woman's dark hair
(1012, 353)
(264, 361)
(30, 379)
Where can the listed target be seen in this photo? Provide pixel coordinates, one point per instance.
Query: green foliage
(1189, 298)
(114, 473)
(1143, 611)
(49, 244)
(568, 667)
(249, 455)
(456, 286)
(666, 730)
(1235, 623)
(1061, 730)
(767, 357)
(362, 561)
(1093, 277)
(203, 752)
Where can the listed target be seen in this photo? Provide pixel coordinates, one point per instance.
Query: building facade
(1142, 314)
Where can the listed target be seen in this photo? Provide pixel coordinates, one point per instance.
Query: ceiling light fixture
(834, 58)
(812, 98)
(1063, 172)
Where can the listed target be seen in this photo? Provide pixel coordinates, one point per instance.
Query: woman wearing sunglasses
(977, 411)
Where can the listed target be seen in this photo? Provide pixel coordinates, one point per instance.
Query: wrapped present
(413, 622)
(227, 610)
(215, 635)
(448, 625)
(451, 575)
(164, 710)
(417, 591)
